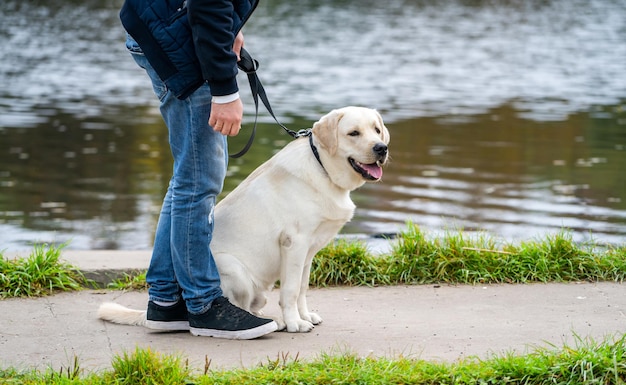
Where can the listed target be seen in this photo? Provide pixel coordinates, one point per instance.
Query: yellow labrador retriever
(272, 225)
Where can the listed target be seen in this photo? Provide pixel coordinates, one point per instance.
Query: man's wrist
(223, 99)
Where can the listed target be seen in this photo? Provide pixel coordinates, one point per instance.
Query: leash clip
(301, 133)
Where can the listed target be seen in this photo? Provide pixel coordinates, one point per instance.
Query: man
(190, 50)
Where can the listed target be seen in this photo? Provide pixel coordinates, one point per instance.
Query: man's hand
(238, 44)
(226, 118)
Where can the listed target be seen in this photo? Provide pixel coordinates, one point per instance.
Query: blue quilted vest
(161, 28)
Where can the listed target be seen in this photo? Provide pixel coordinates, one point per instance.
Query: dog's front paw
(299, 326)
(315, 318)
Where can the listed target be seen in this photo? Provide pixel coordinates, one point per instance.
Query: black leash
(249, 65)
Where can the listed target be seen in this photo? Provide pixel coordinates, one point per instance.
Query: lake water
(506, 117)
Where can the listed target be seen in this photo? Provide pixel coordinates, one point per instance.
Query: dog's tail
(119, 314)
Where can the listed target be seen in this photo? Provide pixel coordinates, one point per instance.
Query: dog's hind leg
(235, 282)
(259, 302)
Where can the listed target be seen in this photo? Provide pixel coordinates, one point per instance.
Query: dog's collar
(314, 149)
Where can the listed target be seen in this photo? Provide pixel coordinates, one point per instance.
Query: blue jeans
(182, 263)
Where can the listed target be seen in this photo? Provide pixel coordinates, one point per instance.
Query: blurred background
(507, 117)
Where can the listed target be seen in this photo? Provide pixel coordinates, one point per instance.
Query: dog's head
(352, 142)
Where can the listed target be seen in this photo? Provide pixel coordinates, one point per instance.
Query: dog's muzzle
(372, 171)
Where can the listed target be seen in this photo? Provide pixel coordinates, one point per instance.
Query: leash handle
(249, 65)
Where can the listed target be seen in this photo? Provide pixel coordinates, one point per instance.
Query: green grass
(347, 263)
(458, 258)
(416, 258)
(586, 362)
(42, 273)
(130, 282)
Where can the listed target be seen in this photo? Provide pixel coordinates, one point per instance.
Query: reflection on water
(509, 118)
(510, 176)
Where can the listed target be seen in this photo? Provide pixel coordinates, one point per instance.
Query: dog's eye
(377, 130)
(354, 133)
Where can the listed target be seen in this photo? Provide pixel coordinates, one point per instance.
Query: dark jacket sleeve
(211, 24)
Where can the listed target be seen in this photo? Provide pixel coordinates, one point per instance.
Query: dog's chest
(325, 207)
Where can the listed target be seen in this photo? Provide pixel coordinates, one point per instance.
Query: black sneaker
(167, 318)
(225, 320)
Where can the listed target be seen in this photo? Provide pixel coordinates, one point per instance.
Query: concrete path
(426, 322)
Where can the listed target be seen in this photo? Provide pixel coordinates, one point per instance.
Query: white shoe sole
(169, 326)
(247, 334)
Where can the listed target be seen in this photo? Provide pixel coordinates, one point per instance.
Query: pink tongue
(373, 169)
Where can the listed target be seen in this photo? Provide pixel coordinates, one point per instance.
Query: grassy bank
(459, 258)
(41, 273)
(587, 362)
(415, 258)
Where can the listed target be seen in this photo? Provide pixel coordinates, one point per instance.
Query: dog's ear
(382, 127)
(326, 131)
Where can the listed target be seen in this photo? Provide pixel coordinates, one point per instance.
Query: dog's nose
(380, 149)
